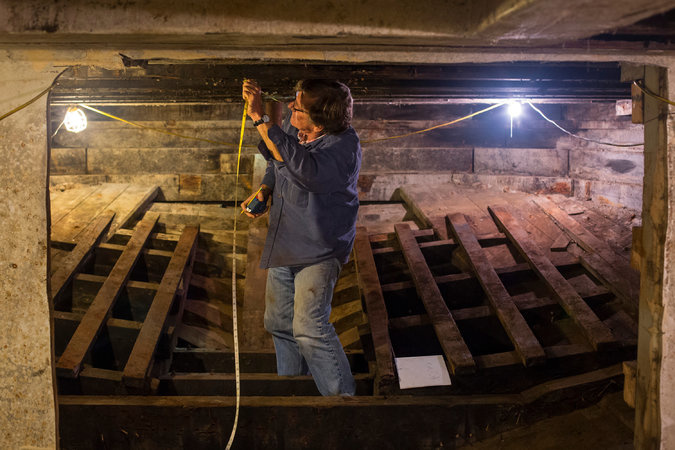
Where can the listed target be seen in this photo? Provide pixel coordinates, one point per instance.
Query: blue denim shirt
(314, 197)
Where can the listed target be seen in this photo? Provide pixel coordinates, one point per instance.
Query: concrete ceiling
(346, 23)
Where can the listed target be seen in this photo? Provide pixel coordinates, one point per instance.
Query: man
(312, 169)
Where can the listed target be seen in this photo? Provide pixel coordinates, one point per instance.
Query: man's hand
(263, 195)
(252, 93)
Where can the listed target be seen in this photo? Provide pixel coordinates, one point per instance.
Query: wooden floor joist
(86, 242)
(70, 362)
(612, 269)
(377, 312)
(597, 333)
(526, 344)
(137, 369)
(561, 260)
(456, 351)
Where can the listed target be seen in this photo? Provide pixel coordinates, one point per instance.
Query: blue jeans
(297, 308)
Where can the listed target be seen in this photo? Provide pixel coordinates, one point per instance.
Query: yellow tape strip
(496, 105)
(235, 332)
(159, 130)
(658, 97)
(29, 102)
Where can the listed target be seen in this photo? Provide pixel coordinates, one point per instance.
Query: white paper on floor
(421, 371)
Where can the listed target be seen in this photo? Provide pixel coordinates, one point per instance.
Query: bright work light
(515, 109)
(75, 120)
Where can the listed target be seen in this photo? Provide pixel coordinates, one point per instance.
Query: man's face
(300, 117)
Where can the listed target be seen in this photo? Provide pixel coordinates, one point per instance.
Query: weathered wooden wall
(534, 157)
(185, 169)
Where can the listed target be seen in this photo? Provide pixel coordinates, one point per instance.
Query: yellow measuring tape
(235, 330)
(235, 333)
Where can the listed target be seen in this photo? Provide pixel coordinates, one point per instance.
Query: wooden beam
(137, 369)
(86, 241)
(612, 269)
(70, 363)
(456, 351)
(369, 283)
(202, 359)
(597, 333)
(525, 342)
(558, 260)
(254, 384)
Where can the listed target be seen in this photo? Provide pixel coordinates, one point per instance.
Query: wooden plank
(593, 329)
(137, 369)
(216, 339)
(369, 283)
(70, 264)
(383, 237)
(523, 302)
(254, 384)
(558, 260)
(200, 360)
(612, 269)
(455, 349)
(526, 344)
(62, 202)
(133, 202)
(495, 360)
(70, 362)
(79, 217)
(99, 279)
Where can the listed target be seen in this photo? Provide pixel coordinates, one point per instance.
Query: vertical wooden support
(655, 394)
(70, 363)
(637, 97)
(456, 351)
(525, 342)
(369, 283)
(137, 370)
(596, 332)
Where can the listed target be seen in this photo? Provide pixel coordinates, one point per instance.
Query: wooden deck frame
(70, 362)
(86, 242)
(525, 342)
(596, 332)
(377, 313)
(612, 270)
(456, 351)
(137, 370)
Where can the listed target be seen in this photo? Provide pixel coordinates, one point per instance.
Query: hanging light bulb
(75, 120)
(515, 108)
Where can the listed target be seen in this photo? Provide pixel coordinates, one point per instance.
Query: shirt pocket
(297, 196)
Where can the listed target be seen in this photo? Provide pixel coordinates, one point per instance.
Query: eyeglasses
(294, 109)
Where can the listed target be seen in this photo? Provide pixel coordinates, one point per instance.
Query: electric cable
(34, 99)
(576, 135)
